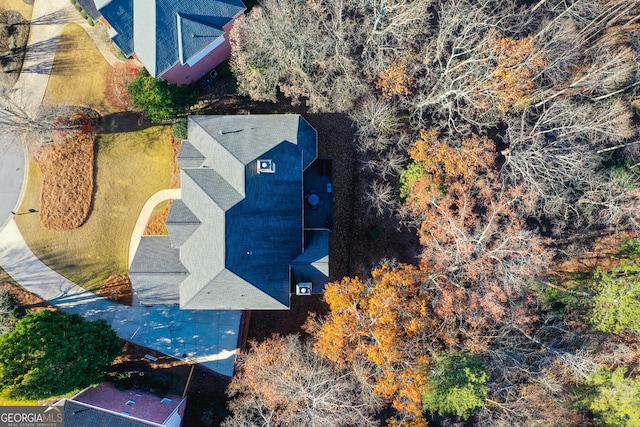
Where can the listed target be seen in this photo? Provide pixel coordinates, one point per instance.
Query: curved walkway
(204, 336)
(145, 213)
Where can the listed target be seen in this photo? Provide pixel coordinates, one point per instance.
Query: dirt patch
(117, 288)
(25, 298)
(14, 32)
(67, 169)
(116, 89)
(603, 252)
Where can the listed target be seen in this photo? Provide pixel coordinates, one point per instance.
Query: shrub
(617, 303)
(9, 311)
(51, 353)
(84, 14)
(180, 128)
(159, 100)
(90, 22)
(73, 2)
(224, 70)
(78, 7)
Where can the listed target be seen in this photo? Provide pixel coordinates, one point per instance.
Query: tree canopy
(51, 353)
(160, 100)
(456, 384)
(502, 133)
(282, 382)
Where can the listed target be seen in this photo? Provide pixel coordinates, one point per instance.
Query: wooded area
(504, 132)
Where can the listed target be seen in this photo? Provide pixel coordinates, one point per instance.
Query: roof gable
(189, 28)
(165, 32)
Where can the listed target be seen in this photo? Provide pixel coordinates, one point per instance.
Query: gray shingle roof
(181, 223)
(251, 222)
(165, 32)
(189, 157)
(239, 230)
(78, 414)
(156, 271)
(89, 6)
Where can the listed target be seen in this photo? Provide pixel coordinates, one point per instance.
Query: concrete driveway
(209, 337)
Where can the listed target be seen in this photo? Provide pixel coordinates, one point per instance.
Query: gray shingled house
(253, 223)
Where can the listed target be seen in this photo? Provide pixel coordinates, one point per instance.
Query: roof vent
(303, 288)
(266, 166)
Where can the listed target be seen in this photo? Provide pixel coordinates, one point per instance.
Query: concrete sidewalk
(209, 337)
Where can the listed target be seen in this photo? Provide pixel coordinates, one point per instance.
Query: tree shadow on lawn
(126, 121)
(58, 17)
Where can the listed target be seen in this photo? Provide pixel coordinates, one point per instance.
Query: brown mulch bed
(67, 168)
(157, 221)
(25, 298)
(117, 288)
(116, 90)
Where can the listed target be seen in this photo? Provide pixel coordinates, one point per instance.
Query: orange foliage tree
(395, 80)
(475, 241)
(378, 327)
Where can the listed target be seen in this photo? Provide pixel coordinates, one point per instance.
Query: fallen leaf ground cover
(66, 168)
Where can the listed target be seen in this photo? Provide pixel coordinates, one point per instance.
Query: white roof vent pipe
(266, 166)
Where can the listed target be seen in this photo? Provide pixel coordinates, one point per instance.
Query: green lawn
(6, 401)
(130, 168)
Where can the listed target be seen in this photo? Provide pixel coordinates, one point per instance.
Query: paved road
(12, 177)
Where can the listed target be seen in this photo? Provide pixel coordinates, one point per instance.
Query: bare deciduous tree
(322, 51)
(282, 382)
(555, 154)
(18, 121)
(301, 49)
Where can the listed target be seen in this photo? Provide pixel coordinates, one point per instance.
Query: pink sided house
(176, 40)
(107, 406)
